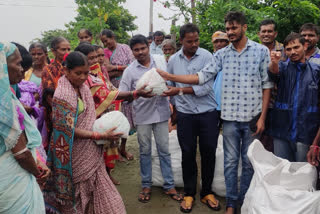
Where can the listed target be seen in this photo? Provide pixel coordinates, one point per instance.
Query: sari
(123, 55)
(51, 74)
(104, 96)
(19, 190)
(79, 182)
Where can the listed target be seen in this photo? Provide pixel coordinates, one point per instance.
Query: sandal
(175, 196)
(211, 198)
(144, 197)
(188, 202)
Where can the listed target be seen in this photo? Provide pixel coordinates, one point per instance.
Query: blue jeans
(161, 136)
(294, 152)
(237, 138)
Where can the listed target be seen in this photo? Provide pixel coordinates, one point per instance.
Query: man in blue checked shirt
(245, 96)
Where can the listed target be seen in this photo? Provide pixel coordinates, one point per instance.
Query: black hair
(86, 31)
(158, 33)
(311, 27)
(75, 59)
(293, 36)
(188, 28)
(56, 41)
(167, 36)
(138, 39)
(44, 102)
(269, 22)
(149, 37)
(235, 16)
(25, 55)
(85, 48)
(107, 33)
(97, 47)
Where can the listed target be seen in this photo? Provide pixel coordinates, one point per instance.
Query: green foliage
(289, 15)
(96, 15)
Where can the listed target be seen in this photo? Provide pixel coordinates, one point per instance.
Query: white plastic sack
(154, 82)
(218, 184)
(110, 120)
(176, 158)
(279, 186)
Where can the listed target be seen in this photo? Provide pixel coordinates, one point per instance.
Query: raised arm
(274, 64)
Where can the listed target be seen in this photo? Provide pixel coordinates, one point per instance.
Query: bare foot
(114, 181)
(230, 210)
(126, 154)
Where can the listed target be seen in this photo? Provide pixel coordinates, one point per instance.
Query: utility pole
(151, 18)
(193, 16)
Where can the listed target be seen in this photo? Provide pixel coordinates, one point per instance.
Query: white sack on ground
(176, 158)
(154, 82)
(279, 186)
(218, 184)
(110, 120)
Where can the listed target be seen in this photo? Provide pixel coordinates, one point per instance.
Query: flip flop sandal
(189, 203)
(211, 198)
(173, 195)
(145, 195)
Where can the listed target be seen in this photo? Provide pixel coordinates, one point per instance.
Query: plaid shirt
(244, 77)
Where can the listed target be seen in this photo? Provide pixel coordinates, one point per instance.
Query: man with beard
(196, 116)
(151, 116)
(295, 116)
(311, 33)
(245, 96)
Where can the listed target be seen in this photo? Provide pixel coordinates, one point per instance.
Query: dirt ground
(128, 174)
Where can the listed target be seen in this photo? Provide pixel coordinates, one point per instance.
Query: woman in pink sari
(79, 181)
(119, 60)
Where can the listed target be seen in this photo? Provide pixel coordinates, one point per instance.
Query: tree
(96, 15)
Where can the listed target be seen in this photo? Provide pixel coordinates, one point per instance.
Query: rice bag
(110, 120)
(154, 82)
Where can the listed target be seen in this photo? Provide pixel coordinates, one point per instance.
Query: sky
(24, 20)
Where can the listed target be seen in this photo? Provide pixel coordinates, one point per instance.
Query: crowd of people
(243, 89)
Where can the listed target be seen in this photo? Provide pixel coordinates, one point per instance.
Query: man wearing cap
(219, 41)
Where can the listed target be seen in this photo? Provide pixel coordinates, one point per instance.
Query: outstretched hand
(163, 74)
(111, 135)
(142, 92)
(172, 91)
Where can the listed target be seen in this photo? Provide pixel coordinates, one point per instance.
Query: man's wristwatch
(180, 92)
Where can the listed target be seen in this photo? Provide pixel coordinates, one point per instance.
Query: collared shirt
(147, 110)
(245, 75)
(154, 49)
(203, 98)
(278, 46)
(315, 57)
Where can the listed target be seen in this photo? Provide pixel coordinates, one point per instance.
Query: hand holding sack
(154, 82)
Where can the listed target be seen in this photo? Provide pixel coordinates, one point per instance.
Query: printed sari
(19, 190)
(79, 182)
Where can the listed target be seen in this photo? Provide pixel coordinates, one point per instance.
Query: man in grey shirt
(151, 115)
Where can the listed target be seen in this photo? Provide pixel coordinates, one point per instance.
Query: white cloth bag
(218, 184)
(176, 158)
(279, 186)
(153, 80)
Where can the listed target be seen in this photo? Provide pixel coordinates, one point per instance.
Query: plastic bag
(218, 184)
(176, 158)
(279, 186)
(110, 120)
(154, 82)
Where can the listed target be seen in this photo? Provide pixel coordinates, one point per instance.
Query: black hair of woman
(107, 33)
(56, 41)
(75, 59)
(25, 55)
(85, 48)
(41, 46)
(86, 31)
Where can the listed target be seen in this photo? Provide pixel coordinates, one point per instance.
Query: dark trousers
(189, 128)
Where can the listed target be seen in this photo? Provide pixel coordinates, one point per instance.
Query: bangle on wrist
(135, 94)
(20, 152)
(96, 136)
